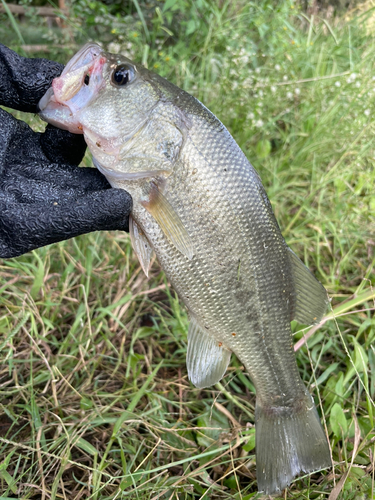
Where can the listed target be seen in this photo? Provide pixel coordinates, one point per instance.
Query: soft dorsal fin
(170, 223)
(141, 245)
(206, 360)
(311, 297)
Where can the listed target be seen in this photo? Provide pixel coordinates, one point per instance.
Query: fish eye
(122, 75)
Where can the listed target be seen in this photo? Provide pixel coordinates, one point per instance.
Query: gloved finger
(32, 182)
(62, 146)
(26, 227)
(24, 81)
(22, 155)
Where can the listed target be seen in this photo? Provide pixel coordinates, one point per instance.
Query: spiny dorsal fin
(311, 296)
(170, 223)
(206, 360)
(141, 245)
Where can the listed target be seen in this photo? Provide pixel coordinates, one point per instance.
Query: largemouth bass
(201, 207)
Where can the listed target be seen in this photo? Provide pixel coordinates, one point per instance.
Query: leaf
(86, 446)
(39, 277)
(4, 474)
(86, 404)
(250, 445)
(263, 148)
(169, 4)
(231, 482)
(190, 27)
(338, 421)
(360, 358)
(213, 424)
(323, 377)
(339, 387)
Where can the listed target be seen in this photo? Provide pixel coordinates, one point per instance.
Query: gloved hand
(44, 196)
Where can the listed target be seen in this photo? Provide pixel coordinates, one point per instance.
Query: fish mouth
(76, 87)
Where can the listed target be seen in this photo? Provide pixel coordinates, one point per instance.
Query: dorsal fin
(311, 297)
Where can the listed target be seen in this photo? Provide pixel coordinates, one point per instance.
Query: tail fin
(288, 441)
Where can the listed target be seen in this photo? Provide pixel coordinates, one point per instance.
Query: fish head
(112, 101)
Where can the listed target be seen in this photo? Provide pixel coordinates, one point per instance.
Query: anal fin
(170, 223)
(141, 245)
(311, 296)
(206, 360)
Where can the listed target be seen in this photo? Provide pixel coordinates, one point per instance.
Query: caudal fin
(288, 442)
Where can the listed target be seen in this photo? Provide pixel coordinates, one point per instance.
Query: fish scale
(200, 205)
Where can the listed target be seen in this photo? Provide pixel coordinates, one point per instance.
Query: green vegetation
(94, 397)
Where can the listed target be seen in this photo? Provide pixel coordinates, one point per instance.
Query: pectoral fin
(207, 360)
(311, 297)
(170, 223)
(141, 246)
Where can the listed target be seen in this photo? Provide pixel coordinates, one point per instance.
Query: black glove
(44, 196)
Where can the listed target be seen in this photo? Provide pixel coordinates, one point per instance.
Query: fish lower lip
(43, 103)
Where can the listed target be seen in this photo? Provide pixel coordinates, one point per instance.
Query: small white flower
(250, 116)
(297, 91)
(357, 84)
(277, 67)
(257, 70)
(273, 89)
(285, 78)
(338, 84)
(259, 123)
(289, 95)
(367, 112)
(260, 93)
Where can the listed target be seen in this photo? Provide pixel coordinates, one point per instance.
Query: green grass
(95, 402)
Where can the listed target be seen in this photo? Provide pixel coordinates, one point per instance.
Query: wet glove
(44, 196)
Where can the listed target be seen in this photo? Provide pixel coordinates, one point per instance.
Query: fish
(200, 206)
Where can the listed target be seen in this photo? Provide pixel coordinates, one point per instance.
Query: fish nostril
(87, 80)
